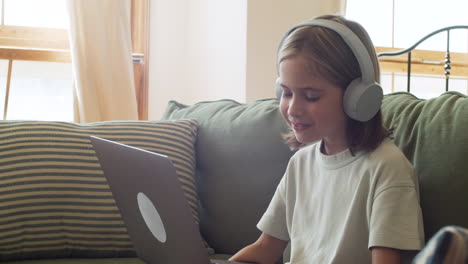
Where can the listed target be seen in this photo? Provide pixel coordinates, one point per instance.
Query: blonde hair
(333, 59)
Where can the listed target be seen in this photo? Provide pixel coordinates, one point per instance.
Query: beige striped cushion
(54, 199)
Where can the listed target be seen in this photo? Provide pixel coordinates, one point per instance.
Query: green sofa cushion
(433, 134)
(54, 199)
(240, 159)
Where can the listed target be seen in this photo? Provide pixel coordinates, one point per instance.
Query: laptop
(153, 206)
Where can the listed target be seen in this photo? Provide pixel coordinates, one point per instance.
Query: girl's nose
(295, 106)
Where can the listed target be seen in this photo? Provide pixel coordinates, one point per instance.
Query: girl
(348, 195)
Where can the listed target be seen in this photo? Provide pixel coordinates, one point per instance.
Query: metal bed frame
(447, 65)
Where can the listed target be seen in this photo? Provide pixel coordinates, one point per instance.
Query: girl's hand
(265, 250)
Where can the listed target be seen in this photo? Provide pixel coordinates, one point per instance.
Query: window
(35, 63)
(53, 13)
(398, 24)
(35, 68)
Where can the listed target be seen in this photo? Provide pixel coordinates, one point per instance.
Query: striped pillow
(54, 199)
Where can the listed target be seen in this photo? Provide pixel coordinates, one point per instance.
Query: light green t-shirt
(334, 208)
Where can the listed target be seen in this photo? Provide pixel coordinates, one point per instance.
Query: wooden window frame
(140, 26)
(52, 45)
(424, 62)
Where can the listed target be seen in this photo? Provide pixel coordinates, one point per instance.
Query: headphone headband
(353, 42)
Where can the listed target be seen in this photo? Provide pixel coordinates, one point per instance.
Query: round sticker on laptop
(152, 218)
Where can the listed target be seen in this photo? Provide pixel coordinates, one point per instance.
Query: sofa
(56, 207)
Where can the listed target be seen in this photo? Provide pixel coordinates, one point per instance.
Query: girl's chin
(306, 140)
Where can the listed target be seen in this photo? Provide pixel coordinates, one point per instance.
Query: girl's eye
(313, 99)
(287, 94)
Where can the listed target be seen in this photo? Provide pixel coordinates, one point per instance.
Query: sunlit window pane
(459, 84)
(375, 16)
(34, 13)
(41, 91)
(411, 25)
(424, 87)
(386, 82)
(400, 82)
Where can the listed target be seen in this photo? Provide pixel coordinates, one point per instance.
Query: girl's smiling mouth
(299, 126)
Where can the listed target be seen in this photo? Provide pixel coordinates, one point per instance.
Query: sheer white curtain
(101, 47)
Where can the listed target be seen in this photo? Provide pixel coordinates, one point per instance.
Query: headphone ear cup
(362, 101)
(278, 89)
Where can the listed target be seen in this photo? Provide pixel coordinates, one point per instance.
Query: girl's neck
(328, 147)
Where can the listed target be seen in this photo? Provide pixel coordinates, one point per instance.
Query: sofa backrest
(433, 134)
(240, 160)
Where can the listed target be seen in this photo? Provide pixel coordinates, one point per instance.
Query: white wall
(216, 50)
(168, 54)
(197, 52)
(212, 49)
(267, 21)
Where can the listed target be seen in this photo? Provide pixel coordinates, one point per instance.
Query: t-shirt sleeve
(396, 219)
(273, 221)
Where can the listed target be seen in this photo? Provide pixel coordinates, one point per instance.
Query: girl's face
(312, 106)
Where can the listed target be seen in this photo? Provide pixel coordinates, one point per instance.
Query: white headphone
(363, 96)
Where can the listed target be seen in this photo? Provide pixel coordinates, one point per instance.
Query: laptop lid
(152, 204)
